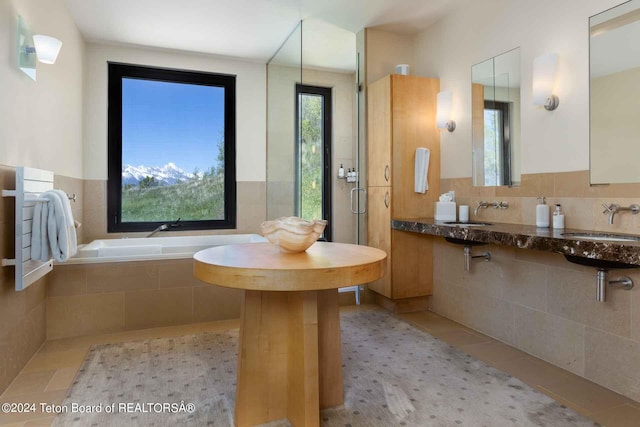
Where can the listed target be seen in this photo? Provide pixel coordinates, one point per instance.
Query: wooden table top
(261, 266)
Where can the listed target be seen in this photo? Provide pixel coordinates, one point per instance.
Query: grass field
(200, 198)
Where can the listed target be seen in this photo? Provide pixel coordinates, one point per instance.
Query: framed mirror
(614, 68)
(495, 110)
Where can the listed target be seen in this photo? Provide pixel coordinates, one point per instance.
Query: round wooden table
(289, 354)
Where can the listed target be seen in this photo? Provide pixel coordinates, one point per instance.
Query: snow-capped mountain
(168, 174)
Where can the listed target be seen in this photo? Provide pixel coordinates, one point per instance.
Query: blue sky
(171, 122)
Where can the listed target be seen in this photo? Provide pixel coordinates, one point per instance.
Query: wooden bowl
(292, 234)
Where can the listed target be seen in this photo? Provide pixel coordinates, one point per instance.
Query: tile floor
(49, 374)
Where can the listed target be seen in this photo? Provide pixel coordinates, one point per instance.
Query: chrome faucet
(481, 205)
(613, 209)
(495, 205)
(161, 227)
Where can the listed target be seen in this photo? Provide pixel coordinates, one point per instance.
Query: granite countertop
(529, 237)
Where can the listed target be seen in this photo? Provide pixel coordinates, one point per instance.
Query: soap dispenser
(558, 217)
(542, 214)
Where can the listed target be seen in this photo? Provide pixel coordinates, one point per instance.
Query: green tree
(148, 182)
(310, 184)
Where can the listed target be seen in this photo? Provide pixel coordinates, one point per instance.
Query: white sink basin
(604, 237)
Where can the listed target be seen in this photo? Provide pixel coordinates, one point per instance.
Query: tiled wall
(581, 202)
(537, 301)
(22, 314)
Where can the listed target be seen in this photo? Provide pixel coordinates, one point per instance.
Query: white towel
(422, 169)
(70, 223)
(39, 238)
(53, 233)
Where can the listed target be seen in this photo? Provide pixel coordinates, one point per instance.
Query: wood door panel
(412, 269)
(379, 232)
(414, 126)
(379, 133)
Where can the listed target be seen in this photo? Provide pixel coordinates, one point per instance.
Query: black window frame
(327, 201)
(118, 71)
(504, 109)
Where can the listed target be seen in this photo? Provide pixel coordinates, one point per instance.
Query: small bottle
(341, 171)
(463, 211)
(542, 214)
(558, 217)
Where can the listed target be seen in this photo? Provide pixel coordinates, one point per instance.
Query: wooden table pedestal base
(289, 357)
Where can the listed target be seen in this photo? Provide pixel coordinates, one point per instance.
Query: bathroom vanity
(619, 248)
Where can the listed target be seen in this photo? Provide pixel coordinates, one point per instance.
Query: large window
(171, 149)
(313, 154)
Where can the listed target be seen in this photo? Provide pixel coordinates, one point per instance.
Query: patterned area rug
(394, 375)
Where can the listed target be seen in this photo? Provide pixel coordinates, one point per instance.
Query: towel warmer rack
(30, 183)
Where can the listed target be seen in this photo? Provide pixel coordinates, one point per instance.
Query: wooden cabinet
(400, 118)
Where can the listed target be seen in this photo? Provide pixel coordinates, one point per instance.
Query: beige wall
(385, 50)
(41, 127)
(41, 121)
(250, 103)
(551, 141)
(535, 301)
(614, 123)
(250, 130)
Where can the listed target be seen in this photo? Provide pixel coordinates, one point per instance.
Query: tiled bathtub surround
(114, 297)
(537, 301)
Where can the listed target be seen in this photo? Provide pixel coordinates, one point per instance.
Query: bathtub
(152, 248)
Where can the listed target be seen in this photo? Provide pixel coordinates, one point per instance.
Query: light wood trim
(302, 360)
(379, 233)
(477, 132)
(330, 349)
(407, 305)
(412, 266)
(289, 357)
(414, 125)
(379, 133)
(261, 266)
(261, 391)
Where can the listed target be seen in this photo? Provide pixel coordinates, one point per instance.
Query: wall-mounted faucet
(613, 209)
(495, 205)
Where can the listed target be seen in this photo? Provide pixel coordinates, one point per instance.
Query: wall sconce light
(45, 48)
(545, 68)
(443, 113)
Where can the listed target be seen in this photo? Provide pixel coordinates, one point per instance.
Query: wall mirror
(614, 66)
(495, 110)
